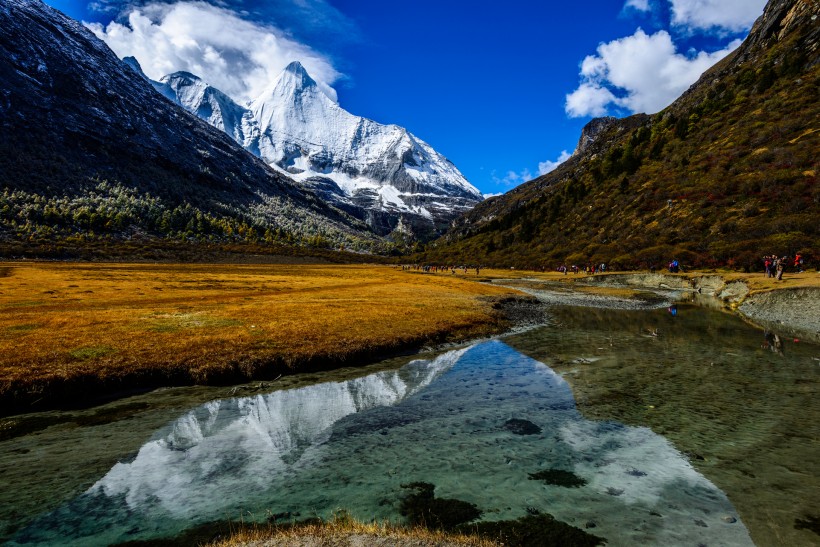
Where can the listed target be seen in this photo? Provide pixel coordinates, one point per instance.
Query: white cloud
(732, 15)
(492, 194)
(639, 73)
(512, 178)
(590, 99)
(545, 167)
(640, 5)
(237, 56)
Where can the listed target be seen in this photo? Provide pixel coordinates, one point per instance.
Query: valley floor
(72, 332)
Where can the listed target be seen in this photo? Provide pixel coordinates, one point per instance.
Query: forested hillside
(725, 174)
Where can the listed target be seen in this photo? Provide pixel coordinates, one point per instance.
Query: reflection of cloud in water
(631, 462)
(216, 453)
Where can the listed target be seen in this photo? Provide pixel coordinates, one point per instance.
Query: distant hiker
(780, 264)
(767, 266)
(772, 342)
(798, 263)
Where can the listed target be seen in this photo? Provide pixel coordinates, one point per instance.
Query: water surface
(739, 425)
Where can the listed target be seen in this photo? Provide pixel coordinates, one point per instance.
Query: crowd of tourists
(435, 268)
(589, 269)
(774, 265)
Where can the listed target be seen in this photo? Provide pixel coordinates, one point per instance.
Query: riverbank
(347, 532)
(71, 333)
(790, 305)
(699, 405)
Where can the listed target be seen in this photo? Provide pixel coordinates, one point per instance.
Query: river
(677, 426)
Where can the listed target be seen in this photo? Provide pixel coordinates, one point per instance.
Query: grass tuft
(92, 352)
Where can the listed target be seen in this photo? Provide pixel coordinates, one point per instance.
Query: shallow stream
(680, 426)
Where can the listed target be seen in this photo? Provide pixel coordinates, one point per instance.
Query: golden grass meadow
(82, 328)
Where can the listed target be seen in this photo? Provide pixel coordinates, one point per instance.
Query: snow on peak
(213, 106)
(296, 128)
(307, 134)
(181, 75)
(296, 76)
(135, 65)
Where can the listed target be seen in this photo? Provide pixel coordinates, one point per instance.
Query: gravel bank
(790, 311)
(795, 311)
(550, 293)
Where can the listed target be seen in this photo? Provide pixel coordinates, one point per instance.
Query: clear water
(351, 444)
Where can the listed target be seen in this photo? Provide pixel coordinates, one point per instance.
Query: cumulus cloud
(590, 99)
(640, 5)
(545, 167)
(237, 56)
(512, 178)
(638, 73)
(731, 15)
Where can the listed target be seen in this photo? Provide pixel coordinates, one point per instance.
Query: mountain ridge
(725, 174)
(92, 151)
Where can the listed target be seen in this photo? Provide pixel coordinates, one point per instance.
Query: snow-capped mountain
(78, 124)
(213, 106)
(263, 438)
(380, 173)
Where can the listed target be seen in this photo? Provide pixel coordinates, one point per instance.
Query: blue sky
(502, 88)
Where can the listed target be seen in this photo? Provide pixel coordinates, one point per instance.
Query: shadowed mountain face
(73, 115)
(725, 174)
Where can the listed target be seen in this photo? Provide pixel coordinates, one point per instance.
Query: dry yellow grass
(100, 326)
(347, 532)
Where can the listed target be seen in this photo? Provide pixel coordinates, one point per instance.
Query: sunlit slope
(726, 173)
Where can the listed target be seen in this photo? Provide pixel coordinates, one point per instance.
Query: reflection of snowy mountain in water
(222, 449)
(311, 451)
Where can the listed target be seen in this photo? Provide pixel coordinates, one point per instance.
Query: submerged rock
(540, 530)
(422, 508)
(559, 477)
(811, 523)
(521, 427)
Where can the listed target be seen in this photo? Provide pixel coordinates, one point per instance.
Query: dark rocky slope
(89, 149)
(726, 173)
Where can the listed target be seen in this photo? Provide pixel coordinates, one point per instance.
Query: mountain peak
(180, 75)
(134, 64)
(295, 78)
